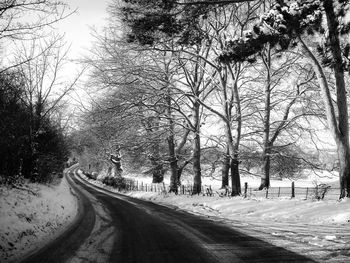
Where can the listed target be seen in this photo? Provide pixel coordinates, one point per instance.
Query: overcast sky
(90, 13)
(77, 30)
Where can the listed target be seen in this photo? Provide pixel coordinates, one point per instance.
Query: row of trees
(32, 145)
(246, 78)
(32, 142)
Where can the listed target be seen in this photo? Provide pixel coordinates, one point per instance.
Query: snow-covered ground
(28, 219)
(258, 209)
(318, 229)
(307, 179)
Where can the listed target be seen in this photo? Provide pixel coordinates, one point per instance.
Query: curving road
(115, 228)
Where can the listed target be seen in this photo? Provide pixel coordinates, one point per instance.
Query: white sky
(77, 27)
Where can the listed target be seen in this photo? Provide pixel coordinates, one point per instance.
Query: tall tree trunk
(171, 146)
(234, 162)
(343, 119)
(344, 171)
(234, 142)
(116, 160)
(265, 177)
(225, 169)
(156, 161)
(157, 170)
(339, 126)
(173, 165)
(196, 148)
(235, 177)
(181, 168)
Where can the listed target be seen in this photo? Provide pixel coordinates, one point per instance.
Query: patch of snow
(28, 220)
(330, 237)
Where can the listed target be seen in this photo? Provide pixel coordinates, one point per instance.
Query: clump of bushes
(116, 182)
(320, 191)
(92, 175)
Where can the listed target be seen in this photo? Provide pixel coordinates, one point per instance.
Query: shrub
(116, 182)
(320, 191)
(92, 175)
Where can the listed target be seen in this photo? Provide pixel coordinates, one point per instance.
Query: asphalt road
(116, 228)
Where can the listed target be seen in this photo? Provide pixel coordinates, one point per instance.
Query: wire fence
(319, 192)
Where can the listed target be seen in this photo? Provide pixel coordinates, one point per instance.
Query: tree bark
(180, 170)
(171, 146)
(342, 139)
(157, 170)
(225, 169)
(116, 160)
(196, 147)
(265, 177)
(234, 161)
(156, 161)
(174, 168)
(235, 177)
(173, 165)
(344, 169)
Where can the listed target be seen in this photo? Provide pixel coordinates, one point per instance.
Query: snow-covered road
(126, 229)
(317, 229)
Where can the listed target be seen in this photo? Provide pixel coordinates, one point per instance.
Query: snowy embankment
(261, 209)
(30, 218)
(283, 209)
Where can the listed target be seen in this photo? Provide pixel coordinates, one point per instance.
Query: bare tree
(28, 19)
(43, 86)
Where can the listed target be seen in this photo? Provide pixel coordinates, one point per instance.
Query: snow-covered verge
(277, 209)
(28, 219)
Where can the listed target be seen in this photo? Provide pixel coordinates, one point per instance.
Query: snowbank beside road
(27, 220)
(282, 209)
(277, 209)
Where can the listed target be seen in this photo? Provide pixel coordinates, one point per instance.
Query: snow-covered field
(318, 229)
(308, 179)
(28, 219)
(258, 209)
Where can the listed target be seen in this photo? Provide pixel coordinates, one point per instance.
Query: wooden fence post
(267, 193)
(293, 190)
(245, 189)
(279, 191)
(307, 193)
(316, 191)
